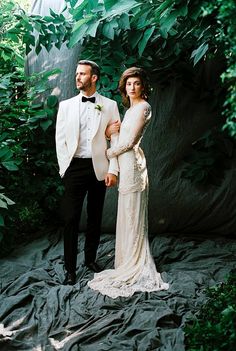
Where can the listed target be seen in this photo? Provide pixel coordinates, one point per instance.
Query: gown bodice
(132, 163)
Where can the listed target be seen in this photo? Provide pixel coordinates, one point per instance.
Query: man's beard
(84, 86)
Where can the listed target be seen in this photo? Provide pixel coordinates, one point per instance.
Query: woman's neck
(134, 102)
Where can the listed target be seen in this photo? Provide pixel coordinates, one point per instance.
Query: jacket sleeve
(61, 147)
(141, 119)
(113, 164)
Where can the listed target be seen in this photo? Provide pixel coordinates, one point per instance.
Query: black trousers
(79, 181)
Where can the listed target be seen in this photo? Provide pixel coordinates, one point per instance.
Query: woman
(134, 266)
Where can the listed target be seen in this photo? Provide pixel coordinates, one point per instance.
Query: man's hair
(94, 67)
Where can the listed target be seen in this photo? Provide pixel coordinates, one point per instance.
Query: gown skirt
(135, 269)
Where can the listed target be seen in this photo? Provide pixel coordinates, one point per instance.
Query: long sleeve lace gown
(134, 266)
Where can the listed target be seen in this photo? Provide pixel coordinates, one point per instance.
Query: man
(81, 152)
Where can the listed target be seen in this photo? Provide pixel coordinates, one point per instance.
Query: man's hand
(113, 128)
(110, 180)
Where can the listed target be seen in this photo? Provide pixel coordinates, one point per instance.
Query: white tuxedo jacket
(67, 134)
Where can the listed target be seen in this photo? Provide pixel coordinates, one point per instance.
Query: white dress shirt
(87, 119)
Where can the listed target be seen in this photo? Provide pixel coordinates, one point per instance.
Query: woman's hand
(112, 128)
(110, 180)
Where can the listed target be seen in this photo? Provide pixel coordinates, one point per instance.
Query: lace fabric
(133, 127)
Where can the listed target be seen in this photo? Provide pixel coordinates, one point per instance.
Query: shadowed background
(184, 108)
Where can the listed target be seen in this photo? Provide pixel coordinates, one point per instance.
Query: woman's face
(134, 87)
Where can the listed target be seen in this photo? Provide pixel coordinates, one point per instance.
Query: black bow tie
(92, 99)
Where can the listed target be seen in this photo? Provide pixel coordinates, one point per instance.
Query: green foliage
(157, 35)
(34, 31)
(30, 217)
(27, 152)
(147, 31)
(215, 325)
(4, 203)
(227, 34)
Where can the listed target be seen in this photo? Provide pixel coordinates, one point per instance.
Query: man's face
(84, 78)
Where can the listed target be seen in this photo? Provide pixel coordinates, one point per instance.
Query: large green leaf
(120, 7)
(20, 60)
(94, 3)
(5, 154)
(108, 69)
(78, 35)
(92, 29)
(124, 21)
(46, 74)
(10, 165)
(199, 53)
(80, 23)
(146, 36)
(109, 3)
(46, 124)
(140, 20)
(78, 11)
(3, 204)
(6, 199)
(168, 22)
(52, 101)
(109, 29)
(134, 38)
(164, 8)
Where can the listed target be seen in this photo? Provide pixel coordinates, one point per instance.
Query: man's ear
(94, 78)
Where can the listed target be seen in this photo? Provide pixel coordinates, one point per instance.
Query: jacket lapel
(97, 115)
(75, 120)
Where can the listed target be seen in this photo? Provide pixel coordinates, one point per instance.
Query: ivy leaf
(199, 53)
(146, 36)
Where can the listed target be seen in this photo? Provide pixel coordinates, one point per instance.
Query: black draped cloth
(38, 313)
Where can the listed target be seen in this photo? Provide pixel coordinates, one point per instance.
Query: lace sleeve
(142, 117)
